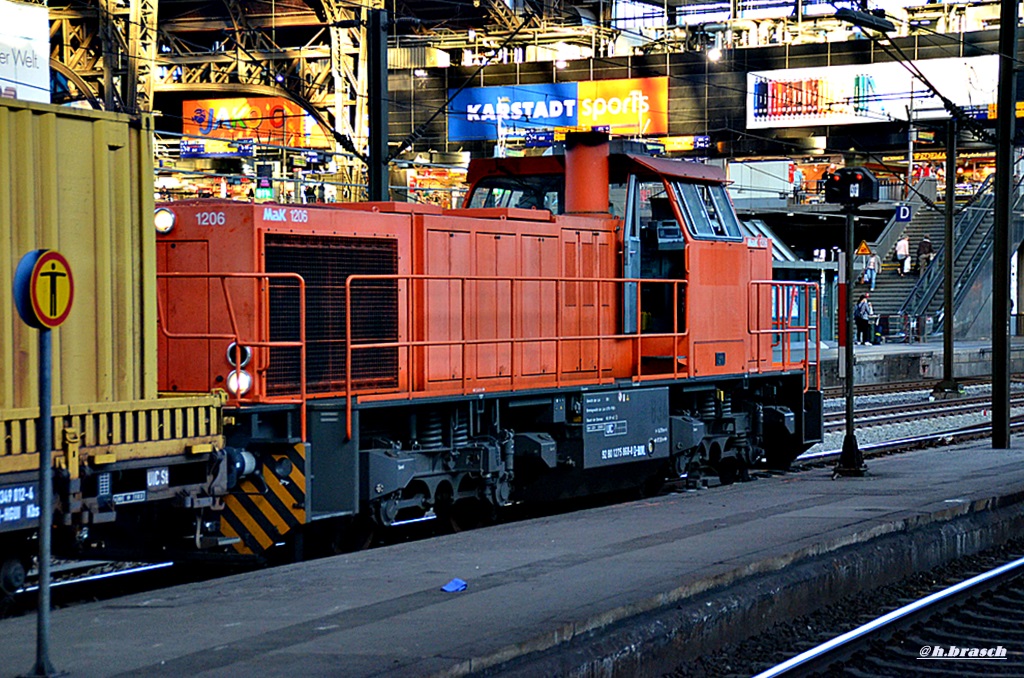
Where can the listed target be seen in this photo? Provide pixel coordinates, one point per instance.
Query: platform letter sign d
(904, 213)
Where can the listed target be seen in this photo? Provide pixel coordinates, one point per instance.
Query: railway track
(952, 436)
(893, 414)
(76, 581)
(975, 626)
(902, 387)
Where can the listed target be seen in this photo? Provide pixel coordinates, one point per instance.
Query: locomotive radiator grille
(325, 262)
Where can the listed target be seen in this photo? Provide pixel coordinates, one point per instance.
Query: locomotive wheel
(345, 535)
(355, 535)
(12, 576)
(729, 470)
(462, 515)
(781, 457)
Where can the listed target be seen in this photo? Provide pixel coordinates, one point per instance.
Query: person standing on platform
(871, 270)
(798, 184)
(862, 316)
(925, 254)
(903, 255)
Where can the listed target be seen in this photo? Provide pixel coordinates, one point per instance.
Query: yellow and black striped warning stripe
(261, 518)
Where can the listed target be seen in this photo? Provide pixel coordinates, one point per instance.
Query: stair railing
(967, 293)
(969, 219)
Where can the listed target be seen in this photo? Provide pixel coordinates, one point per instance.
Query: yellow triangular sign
(863, 250)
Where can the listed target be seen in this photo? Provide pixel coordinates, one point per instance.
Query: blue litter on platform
(454, 585)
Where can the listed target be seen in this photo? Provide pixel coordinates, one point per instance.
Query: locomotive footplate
(625, 426)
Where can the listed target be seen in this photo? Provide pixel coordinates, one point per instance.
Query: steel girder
(123, 53)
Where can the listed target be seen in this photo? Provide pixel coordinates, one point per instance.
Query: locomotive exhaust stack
(586, 173)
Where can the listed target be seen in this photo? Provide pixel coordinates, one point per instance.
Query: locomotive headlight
(243, 351)
(163, 220)
(239, 382)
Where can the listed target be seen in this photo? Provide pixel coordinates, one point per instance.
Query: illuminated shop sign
(217, 148)
(24, 52)
(855, 94)
(687, 143)
(626, 107)
(265, 120)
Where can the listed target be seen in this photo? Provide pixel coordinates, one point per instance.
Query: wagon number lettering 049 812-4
(9, 495)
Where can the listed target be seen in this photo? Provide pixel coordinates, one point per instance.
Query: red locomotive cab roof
(680, 169)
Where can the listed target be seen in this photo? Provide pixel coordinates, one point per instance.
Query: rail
(820, 657)
(237, 336)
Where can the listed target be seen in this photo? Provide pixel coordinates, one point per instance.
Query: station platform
(620, 590)
(897, 362)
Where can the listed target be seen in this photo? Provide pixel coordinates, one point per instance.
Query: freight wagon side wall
(80, 182)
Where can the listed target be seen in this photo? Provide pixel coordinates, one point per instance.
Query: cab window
(707, 210)
(536, 192)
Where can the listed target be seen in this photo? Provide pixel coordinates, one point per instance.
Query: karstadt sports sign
(626, 107)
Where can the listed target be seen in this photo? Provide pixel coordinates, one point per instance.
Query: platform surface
(530, 584)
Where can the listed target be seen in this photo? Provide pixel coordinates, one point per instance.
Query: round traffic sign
(44, 288)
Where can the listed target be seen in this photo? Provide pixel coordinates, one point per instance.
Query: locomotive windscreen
(325, 262)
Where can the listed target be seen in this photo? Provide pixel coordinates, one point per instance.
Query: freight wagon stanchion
(43, 291)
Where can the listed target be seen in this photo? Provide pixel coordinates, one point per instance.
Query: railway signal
(850, 187)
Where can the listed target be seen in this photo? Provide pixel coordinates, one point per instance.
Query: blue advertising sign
(475, 113)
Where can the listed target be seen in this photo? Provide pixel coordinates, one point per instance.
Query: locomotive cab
(663, 205)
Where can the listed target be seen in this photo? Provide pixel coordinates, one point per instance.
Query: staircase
(892, 291)
(972, 234)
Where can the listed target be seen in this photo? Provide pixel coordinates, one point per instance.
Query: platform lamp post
(1006, 130)
(850, 187)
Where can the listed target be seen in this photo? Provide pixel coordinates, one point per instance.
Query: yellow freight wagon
(81, 182)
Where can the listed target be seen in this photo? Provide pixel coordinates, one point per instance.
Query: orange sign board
(628, 106)
(863, 250)
(270, 120)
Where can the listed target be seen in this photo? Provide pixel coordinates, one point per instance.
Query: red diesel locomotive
(587, 322)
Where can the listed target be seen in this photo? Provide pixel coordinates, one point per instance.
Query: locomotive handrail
(235, 334)
(636, 335)
(785, 299)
